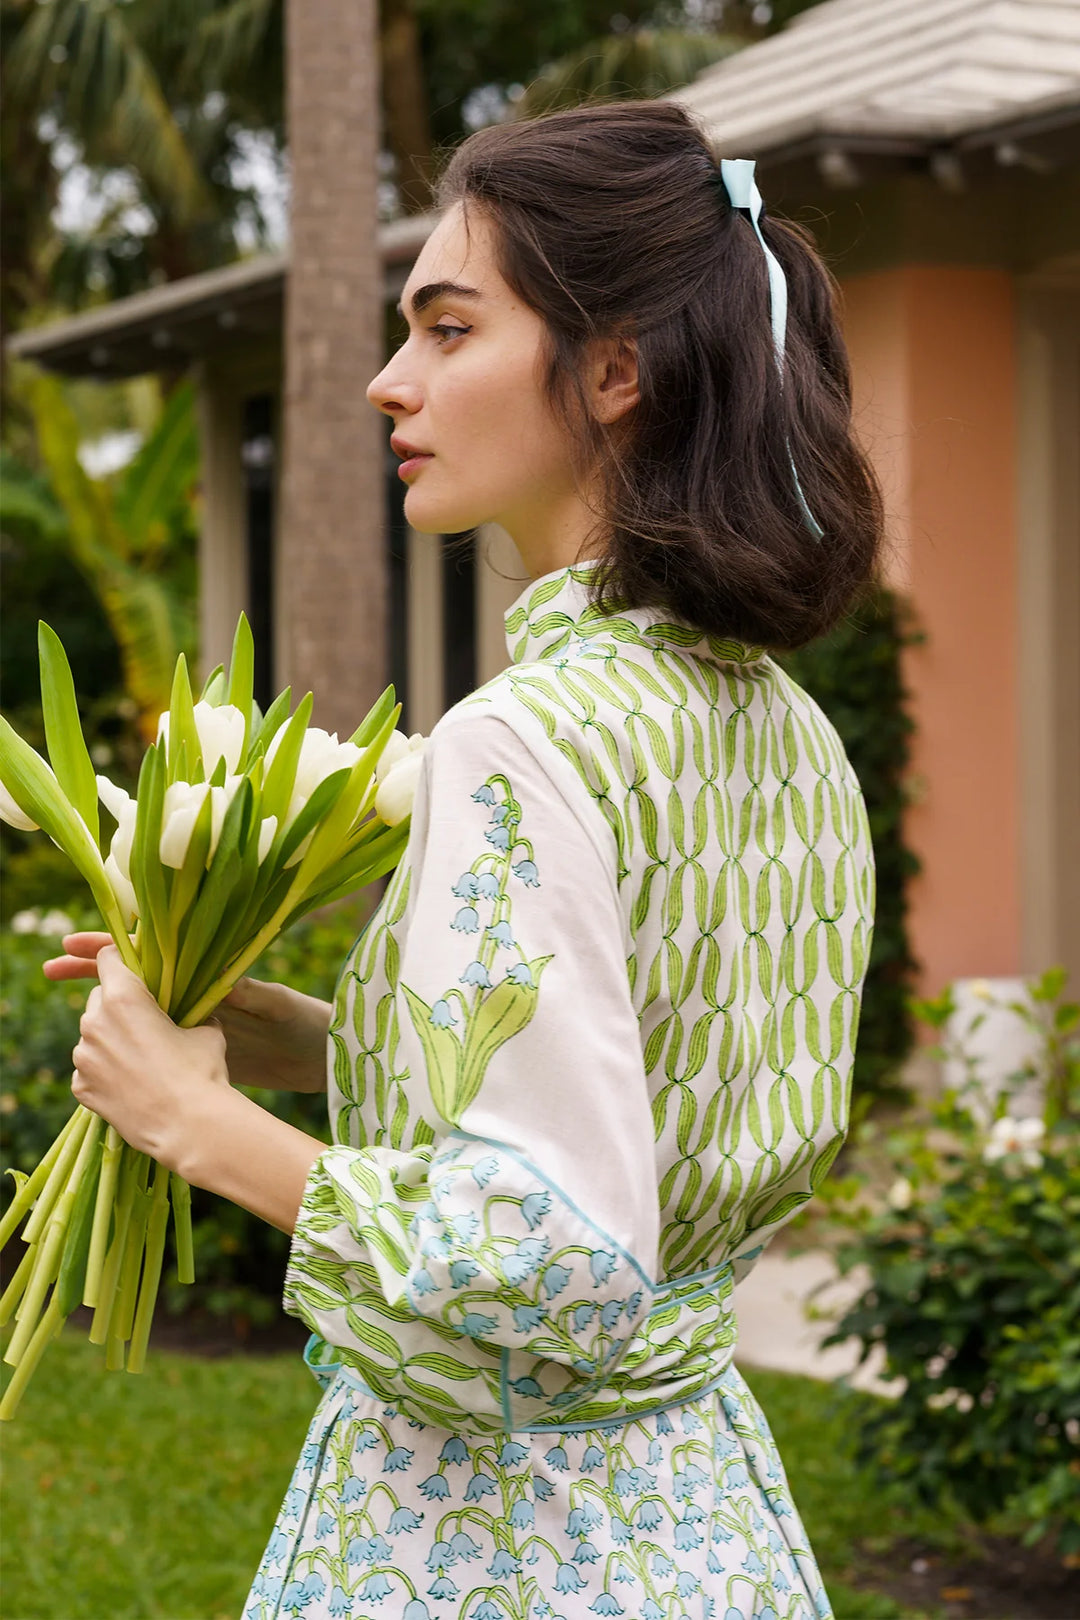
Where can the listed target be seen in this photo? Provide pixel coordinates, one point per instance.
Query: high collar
(554, 611)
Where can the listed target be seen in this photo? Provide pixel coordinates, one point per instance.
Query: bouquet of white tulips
(241, 824)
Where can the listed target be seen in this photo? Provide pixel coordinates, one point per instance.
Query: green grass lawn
(151, 1497)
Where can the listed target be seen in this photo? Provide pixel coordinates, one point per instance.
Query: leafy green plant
(855, 675)
(974, 1291)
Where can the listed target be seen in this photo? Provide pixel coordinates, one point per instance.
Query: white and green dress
(592, 1050)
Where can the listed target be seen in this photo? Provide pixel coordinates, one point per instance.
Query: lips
(407, 452)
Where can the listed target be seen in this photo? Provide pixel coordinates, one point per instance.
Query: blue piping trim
(504, 1147)
(625, 1418)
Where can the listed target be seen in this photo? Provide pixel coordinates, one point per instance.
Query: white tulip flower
(1015, 1138)
(122, 807)
(267, 834)
(221, 734)
(10, 812)
(320, 756)
(123, 889)
(183, 801)
(397, 748)
(395, 793)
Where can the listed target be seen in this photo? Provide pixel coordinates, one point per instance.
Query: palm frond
(229, 39)
(89, 60)
(159, 479)
(136, 604)
(642, 62)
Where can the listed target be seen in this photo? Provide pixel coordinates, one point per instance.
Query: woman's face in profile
(465, 390)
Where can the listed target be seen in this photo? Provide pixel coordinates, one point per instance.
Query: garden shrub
(239, 1259)
(855, 675)
(974, 1294)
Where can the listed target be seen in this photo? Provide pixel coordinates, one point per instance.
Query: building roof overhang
(860, 85)
(196, 317)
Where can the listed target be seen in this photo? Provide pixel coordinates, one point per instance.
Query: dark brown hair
(610, 222)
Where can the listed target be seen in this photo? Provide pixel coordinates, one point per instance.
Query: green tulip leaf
(242, 676)
(211, 906)
(324, 796)
(270, 723)
(36, 791)
(214, 689)
(281, 772)
(371, 724)
(182, 725)
(63, 729)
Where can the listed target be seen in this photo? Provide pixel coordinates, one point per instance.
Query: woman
(594, 1047)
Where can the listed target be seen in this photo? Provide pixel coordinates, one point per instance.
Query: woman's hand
(159, 1085)
(275, 1036)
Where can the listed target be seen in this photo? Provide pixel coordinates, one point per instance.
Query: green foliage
(974, 1294)
(855, 675)
(151, 1497)
(622, 66)
(239, 1260)
(147, 1497)
(119, 531)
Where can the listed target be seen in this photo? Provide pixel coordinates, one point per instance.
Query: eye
(448, 333)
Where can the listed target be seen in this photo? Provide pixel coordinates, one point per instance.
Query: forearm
(246, 1154)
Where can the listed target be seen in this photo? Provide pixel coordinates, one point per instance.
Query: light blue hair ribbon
(737, 175)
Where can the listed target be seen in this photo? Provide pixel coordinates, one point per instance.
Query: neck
(562, 532)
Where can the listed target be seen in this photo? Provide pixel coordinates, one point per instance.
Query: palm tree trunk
(405, 104)
(332, 572)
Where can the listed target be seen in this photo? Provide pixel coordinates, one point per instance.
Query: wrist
(242, 1152)
(212, 1119)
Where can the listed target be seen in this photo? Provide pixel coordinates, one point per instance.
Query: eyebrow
(423, 296)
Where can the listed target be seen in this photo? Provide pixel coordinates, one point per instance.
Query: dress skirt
(684, 1514)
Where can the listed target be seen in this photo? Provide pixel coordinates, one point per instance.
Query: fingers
(85, 944)
(58, 968)
(81, 959)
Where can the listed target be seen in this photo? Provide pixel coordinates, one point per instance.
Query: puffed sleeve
(500, 1272)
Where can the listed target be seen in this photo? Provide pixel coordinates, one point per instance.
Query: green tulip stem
(124, 1310)
(99, 1327)
(34, 1182)
(58, 1177)
(51, 1250)
(13, 1293)
(240, 964)
(157, 1225)
(103, 1209)
(185, 1246)
(48, 1327)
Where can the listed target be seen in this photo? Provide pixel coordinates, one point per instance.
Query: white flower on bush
(10, 812)
(221, 734)
(1015, 1139)
(900, 1194)
(397, 774)
(31, 921)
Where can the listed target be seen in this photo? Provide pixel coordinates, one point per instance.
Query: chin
(432, 516)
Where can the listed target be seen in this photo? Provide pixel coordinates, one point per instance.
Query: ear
(614, 387)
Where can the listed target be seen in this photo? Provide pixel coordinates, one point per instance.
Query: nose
(391, 391)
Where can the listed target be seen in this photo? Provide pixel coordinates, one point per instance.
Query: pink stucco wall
(933, 357)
